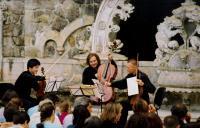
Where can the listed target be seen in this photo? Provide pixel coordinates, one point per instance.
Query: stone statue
(195, 40)
(166, 30)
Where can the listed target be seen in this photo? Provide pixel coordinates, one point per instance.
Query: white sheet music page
(132, 86)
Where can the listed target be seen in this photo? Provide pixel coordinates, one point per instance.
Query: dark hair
(46, 111)
(141, 106)
(21, 117)
(138, 120)
(93, 122)
(53, 97)
(170, 121)
(179, 110)
(90, 55)
(80, 114)
(9, 112)
(32, 62)
(8, 95)
(154, 120)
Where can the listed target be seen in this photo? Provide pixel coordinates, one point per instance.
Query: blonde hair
(110, 112)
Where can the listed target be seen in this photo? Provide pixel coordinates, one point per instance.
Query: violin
(42, 85)
(106, 73)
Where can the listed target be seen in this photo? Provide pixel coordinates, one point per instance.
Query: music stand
(82, 90)
(54, 84)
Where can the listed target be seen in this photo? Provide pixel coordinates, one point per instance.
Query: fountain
(178, 54)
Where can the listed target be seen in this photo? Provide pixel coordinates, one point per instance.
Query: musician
(27, 81)
(145, 87)
(93, 61)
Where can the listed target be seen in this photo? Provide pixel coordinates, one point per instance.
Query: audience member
(111, 115)
(171, 122)
(47, 116)
(137, 120)
(93, 122)
(181, 112)
(154, 120)
(85, 101)
(80, 114)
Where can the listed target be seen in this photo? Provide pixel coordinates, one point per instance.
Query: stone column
(1, 40)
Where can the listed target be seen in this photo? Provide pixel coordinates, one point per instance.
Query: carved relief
(13, 28)
(105, 23)
(50, 49)
(176, 58)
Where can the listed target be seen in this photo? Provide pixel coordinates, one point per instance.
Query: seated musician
(28, 80)
(93, 61)
(92, 72)
(145, 87)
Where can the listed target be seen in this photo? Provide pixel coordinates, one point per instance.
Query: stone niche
(178, 59)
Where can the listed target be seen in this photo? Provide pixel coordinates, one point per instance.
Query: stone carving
(13, 28)
(64, 13)
(115, 46)
(195, 40)
(105, 23)
(174, 58)
(166, 30)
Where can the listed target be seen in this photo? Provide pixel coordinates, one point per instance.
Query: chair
(4, 87)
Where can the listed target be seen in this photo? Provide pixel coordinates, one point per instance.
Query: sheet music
(132, 86)
(99, 90)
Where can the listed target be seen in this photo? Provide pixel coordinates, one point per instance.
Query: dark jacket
(25, 82)
(147, 88)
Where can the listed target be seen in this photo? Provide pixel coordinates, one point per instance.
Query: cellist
(145, 87)
(27, 81)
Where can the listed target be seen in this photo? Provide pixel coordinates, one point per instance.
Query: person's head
(93, 60)
(93, 122)
(83, 101)
(154, 120)
(112, 112)
(15, 102)
(141, 106)
(138, 120)
(80, 114)
(64, 106)
(9, 112)
(132, 65)
(53, 97)
(21, 118)
(171, 122)
(47, 111)
(33, 66)
(8, 95)
(179, 110)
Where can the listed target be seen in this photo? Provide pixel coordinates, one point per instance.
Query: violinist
(27, 81)
(145, 87)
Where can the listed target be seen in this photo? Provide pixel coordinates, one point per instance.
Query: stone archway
(105, 23)
(59, 37)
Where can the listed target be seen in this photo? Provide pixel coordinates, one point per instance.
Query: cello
(42, 85)
(106, 73)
